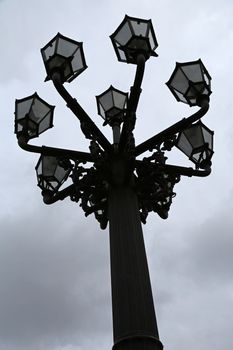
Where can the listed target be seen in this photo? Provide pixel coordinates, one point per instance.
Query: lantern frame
(64, 64)
(50, 182)
(197, 142)
(28, 122)
(144, 43)
(192, 90)
(114, 113)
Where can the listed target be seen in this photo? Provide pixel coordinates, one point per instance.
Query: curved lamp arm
(174, 129)
(84, 118)
(50, 198)
(135, 92)
(180, 170)
(52, 151)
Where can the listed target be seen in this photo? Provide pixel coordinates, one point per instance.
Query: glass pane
(39, 169)
(194, 135)
(66, 48)
(102, 112)
(123, 36)
(139, 28)
(35, 117)
(32, 128)
(197, 156)
(207, 80)
(77, 62)
(152, 42)
(193, 72)
(49, 165)
(122, 55)
(208, 137)
(184, 145)
(49, 51)
(180, 96)
(193, 101)
(22, 108)
(19, 128)
(180, 82)
(60, 174)
(119, 100)
(38, 110)
(107, 100)
(53, 185)
(45, 123)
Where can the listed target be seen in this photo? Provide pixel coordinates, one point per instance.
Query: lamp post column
(134, 320)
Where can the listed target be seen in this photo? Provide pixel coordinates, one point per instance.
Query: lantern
(64, 55)
(197, 143)
(132, 37)
(189, 81)
(33, 116)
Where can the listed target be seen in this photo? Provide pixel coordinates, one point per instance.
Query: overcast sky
(54, 262)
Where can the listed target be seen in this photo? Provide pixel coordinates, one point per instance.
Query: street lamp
(197, 143)
(189, 82)
(111, 105)
(110, 180)
(51, 173)
(64, 55)
(33, 116)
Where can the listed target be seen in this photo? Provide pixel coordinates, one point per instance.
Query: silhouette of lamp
(134, 36)
(51, 173)
(64, 55)
(33, 116)
(197, 143)
(111, 105)
(189, 82)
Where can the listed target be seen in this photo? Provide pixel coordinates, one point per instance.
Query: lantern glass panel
(49, 51)
(45, 123)
(77, 61)
(66, 48)
(122, 55)
(107, 100)
(119, 100)
(152, 40)
(208, 137)
(193, 72)
(49, 166)
(140, 28)
(60, 173)
(180, 96)
(180, 81)
(184, 145)
(38, 110)
(22, 108)
(101, 110)
(124, 34)
(194, 135)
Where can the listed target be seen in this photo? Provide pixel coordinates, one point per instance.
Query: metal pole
(134, 320)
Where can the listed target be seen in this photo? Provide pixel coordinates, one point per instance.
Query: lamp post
(109, 180)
